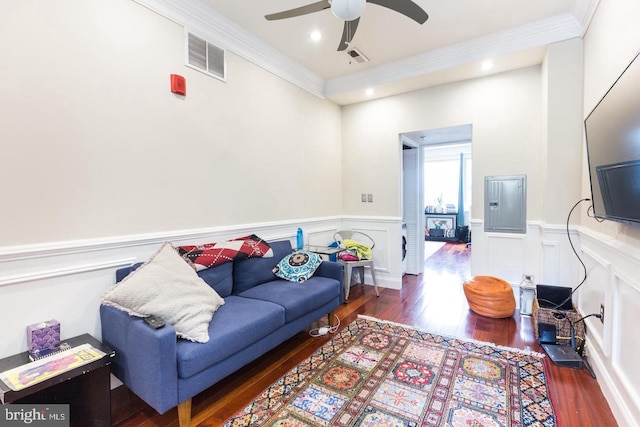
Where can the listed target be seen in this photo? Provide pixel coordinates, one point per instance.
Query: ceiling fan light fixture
(315, 36)
(348, 10)
(487, 64)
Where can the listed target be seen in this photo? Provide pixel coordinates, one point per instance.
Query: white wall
(506, 113)
(101, 163)
(505, 110)
(563, 86)
(610, 250)
(93, 137)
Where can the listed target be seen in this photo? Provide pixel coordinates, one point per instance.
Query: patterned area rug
(377, 373)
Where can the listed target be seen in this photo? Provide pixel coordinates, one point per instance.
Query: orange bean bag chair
(489, 296)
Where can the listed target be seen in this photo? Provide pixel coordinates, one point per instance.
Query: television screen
(613, 149)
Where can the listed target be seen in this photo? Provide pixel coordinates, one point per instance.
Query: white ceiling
(403, 54)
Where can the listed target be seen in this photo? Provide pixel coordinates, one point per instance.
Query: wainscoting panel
(593, 293)
(613, 270)
(507, 259)
(387, 255)
(66, 280)
(551, 262)
(625, 344)
(509, 256)
(559, 264)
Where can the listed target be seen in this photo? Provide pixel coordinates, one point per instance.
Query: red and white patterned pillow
(212, 254)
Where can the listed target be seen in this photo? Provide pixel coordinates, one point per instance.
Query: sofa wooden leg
(332, 319)
(184, 413)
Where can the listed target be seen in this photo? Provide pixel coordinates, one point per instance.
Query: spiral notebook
(37, 355)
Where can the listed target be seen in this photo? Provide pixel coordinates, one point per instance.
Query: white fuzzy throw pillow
(166, 286)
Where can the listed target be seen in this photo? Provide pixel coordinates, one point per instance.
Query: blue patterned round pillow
(298, 266)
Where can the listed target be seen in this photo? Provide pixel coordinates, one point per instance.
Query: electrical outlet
(370, 198)
(363, 197)
(602, 313)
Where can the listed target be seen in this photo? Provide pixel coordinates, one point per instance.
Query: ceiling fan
(350, 11)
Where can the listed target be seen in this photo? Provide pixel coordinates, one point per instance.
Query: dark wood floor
(433, 301)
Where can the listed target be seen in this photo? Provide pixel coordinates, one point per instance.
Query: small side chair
(360, 264)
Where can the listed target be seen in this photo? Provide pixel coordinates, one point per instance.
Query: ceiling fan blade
(348, 31)
(303, 10)
(405, 7)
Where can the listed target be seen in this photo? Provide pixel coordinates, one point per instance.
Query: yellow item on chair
(361, 250)
(361, 243)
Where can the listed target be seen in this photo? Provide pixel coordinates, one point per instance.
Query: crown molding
(206, 22)
(584, 10)
(540, 33)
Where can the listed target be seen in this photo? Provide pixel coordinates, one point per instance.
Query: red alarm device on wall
(178, 84)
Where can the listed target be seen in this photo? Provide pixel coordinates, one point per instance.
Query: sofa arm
(146, 358)
(332, 270)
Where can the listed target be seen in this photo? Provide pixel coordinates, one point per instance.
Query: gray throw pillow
(166, 286)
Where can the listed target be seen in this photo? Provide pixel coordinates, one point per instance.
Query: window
(442, 176)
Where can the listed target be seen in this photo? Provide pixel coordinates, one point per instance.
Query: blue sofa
(260, 312)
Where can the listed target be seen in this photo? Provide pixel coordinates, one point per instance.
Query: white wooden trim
(61, 272)
(198, 17)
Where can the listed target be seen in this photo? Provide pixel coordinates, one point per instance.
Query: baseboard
(614, 396)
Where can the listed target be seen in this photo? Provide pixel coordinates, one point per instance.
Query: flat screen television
(613, 149)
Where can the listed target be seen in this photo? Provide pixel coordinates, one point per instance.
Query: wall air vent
(205, 57)
(357, 56)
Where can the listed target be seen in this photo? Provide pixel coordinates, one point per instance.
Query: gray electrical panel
(505, 204)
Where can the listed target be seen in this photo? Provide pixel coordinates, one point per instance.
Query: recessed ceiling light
(370, 92)
(487, 65)
(315, 36)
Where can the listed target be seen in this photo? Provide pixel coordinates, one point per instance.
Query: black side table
(86, 388)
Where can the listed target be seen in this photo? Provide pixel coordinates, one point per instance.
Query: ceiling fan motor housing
(348, 10)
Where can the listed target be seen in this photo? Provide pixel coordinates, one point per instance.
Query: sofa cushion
(297, 298)
(220, 278)
(236, 325)
(253, 271)
(166, 286)
(298, 266)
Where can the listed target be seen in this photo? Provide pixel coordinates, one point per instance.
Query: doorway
(436, 183)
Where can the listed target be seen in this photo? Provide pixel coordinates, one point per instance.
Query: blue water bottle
(300, 239)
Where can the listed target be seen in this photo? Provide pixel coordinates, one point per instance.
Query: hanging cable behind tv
(553, 304)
